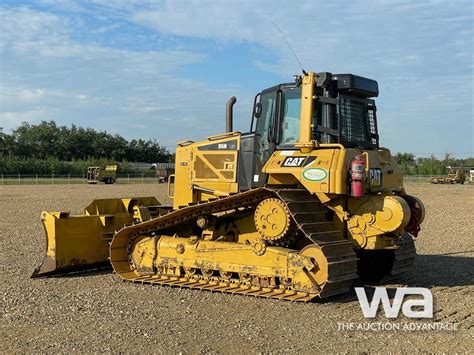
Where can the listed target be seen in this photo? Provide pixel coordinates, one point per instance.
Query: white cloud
(30, 95)
(13, 119)
(48, 75)
(420, 52)
(107, 28)
(68, 5)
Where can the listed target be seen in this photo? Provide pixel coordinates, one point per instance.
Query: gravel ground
(96, 312)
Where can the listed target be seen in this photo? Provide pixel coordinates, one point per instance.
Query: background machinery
(163, 171)
(455, 176)
(296, 208)
(96, 174)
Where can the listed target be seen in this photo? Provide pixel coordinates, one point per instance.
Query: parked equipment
(455, 176)
(296, 208)
(163, 171)
(96, 174)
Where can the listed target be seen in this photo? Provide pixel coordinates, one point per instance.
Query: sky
(165, 69)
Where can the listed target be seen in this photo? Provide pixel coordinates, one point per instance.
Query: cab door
(265, 115)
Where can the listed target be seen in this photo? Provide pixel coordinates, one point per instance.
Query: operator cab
(344, 113)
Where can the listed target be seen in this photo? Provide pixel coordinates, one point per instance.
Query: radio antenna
(288, 44)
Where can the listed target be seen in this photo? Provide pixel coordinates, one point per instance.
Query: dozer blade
(79, 242)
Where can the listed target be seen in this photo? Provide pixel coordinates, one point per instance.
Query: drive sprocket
(272, 219)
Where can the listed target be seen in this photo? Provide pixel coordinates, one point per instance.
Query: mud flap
(79, 242)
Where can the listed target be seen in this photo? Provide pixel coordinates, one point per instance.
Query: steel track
(307, 213)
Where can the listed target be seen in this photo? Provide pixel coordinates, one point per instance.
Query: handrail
(171, 177)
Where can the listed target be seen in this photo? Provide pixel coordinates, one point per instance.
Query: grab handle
(170, 181)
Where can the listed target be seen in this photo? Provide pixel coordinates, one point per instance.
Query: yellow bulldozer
(296, 208)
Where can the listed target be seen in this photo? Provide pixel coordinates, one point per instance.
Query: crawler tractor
(296, 208)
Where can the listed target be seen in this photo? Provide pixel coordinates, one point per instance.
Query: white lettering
(426, 302)
(294, 162)
(393, 309)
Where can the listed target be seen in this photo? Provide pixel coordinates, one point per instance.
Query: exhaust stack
(229, 117)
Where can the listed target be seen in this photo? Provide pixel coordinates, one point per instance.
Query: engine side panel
(206, 169)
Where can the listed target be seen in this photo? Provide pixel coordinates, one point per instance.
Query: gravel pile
(97, 312)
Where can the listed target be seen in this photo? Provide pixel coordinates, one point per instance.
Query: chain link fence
(417, 178)
(53, 179)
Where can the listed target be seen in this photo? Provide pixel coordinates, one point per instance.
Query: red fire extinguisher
(357, 176)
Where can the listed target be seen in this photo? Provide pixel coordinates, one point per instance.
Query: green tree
(406, 161)
(47, 139)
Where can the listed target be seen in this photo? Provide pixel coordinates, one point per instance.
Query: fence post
(36, 179)
(128, 179)
(2, 179)
(142, 178)
(19, 179)
(52, 179)
(68, 178)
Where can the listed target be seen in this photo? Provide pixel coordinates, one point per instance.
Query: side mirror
(258, 110)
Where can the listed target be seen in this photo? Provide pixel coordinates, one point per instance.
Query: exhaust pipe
(229, 117)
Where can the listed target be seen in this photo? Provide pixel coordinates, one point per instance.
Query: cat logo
(375, 177)
(293, 162)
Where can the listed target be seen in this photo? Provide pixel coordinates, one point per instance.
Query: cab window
(290, 118)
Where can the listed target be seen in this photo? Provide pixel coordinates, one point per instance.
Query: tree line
(48, 140)
(49, 148)
(411, 165)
